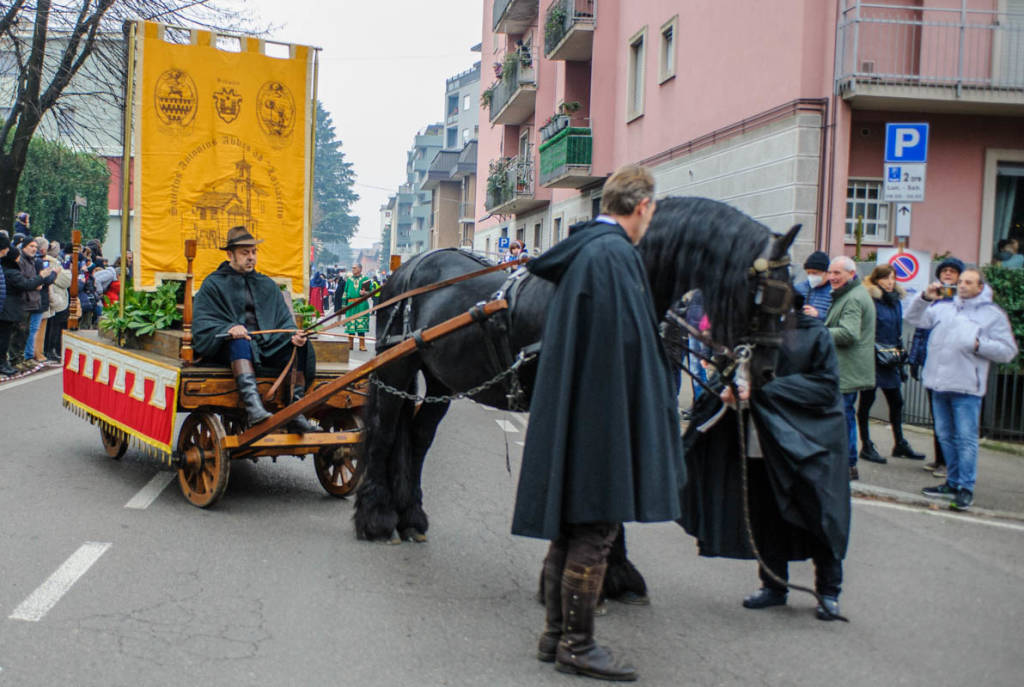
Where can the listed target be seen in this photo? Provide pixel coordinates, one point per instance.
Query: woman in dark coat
(887, 295)
(18, 287)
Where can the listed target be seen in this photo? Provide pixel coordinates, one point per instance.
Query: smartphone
(46, 263)
(947, 292)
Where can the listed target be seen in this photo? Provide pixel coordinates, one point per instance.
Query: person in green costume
(356, 287)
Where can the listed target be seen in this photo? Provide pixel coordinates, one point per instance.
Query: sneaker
(930, 466)
(854, 475)
(963, 501)
(943, 491)
(940, 472)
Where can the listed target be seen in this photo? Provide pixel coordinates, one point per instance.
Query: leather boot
(903, 449)
(578, 653)
(551, 575)
(869, 454)
(300, 423)
(362, 343)
(248, 392)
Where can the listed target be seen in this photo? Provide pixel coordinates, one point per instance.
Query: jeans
(849, 403)
(696, 369)
(34, 321)
(956, 427)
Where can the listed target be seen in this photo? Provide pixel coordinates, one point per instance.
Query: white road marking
(46, 596)
(942, 514)
(31, 378)
(507, 426)
(149, 493)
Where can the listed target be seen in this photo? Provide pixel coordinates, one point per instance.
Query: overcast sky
(383, 67)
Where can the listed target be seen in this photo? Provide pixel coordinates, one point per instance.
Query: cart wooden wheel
(114, 444)
(340, 468)
(205, 464)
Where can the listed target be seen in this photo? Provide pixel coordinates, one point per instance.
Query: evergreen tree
(333, 194)
(51, 178)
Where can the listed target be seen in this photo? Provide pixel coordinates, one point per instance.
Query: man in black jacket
(235, 300)
(799, 491)
(603, 443)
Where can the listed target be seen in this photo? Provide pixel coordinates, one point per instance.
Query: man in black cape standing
(798, 481)
(235, 300)
(603, 444)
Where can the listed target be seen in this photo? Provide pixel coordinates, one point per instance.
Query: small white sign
(904, 182)
(903, 211)
(912, 267)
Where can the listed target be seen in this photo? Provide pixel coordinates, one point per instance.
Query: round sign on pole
(905, 266)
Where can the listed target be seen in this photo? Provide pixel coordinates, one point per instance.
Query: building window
(864, 202)
(537, 237)
(635, 76)
(556, 230)
(521, 234)
(667, 61)
(467, 102)
(452, 138)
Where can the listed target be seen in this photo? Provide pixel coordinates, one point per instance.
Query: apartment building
(413, 214)
(451, 177)
(776, 108)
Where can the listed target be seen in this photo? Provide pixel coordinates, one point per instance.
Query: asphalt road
(270, 587)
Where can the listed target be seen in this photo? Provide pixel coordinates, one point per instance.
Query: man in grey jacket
(969, 332)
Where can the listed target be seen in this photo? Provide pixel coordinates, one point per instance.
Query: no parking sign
(912, 267)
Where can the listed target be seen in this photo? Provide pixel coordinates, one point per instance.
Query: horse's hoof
(632, 599)
(395, 539)
(413, 534)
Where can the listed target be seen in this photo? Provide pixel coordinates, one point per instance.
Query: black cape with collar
(603, 442)
(802, 430)
(220, 305)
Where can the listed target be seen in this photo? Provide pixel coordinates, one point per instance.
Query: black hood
(557, 259)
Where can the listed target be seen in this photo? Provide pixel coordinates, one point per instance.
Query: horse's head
(740, 266)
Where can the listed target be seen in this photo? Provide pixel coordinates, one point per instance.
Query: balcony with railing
(510, 187)
(565, 159)
(954, 59)
(514, 16)
(512, 98)
(466, 213)
(569, 30)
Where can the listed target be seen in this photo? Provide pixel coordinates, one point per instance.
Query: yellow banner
(222, 138)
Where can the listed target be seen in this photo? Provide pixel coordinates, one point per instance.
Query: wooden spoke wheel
(205, 464)
(114, 444)
(340, 468)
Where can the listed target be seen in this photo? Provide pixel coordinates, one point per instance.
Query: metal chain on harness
(520, 360)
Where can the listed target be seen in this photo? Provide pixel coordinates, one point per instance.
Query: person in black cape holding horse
(603, 444)
(798, 482)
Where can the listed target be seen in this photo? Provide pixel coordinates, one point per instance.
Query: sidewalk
(999, 490)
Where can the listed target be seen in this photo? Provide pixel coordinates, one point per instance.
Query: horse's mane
(697, 243)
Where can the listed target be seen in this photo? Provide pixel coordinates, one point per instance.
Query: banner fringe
(147, 450)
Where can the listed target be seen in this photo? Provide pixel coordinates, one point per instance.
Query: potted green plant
(487, 96)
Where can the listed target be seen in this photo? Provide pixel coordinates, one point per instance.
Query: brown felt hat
(240, 236)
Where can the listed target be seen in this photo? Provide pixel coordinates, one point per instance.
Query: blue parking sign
(894, 173)
(502, 243)
(906, 142)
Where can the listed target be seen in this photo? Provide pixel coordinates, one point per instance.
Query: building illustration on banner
(227, 202)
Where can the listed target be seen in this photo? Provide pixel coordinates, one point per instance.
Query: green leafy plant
(144, 311)
(306, 311)
(487, 95)
(1008, 291)
(554, 26)
(570, 107)
(499, 186)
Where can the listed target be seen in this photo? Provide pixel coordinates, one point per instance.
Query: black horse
(692, 243)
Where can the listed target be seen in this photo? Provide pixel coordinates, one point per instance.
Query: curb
(867, 491)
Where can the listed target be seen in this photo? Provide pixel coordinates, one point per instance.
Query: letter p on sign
(906, 142)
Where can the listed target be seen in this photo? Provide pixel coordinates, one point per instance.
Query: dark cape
(802, 431)
(603, 442)
(220, 305)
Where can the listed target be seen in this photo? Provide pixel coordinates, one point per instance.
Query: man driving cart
(233, 305)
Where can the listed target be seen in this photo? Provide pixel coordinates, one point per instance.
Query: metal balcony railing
(511, 178)
(930, 46)
(515, 75)
(562, 17)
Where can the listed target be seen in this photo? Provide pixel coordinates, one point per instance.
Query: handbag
(889, 356)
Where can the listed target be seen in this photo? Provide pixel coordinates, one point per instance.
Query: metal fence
(1002, 409)
(930, 46)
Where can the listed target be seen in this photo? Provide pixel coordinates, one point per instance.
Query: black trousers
(57, 324)
(894, 399)
(584, 543)
(777, 539)
(6, 330)
(305, 358)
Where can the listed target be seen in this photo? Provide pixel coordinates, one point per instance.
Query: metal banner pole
(126, 157)
(311, 174)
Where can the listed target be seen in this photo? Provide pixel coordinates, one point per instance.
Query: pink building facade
(776, 108)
